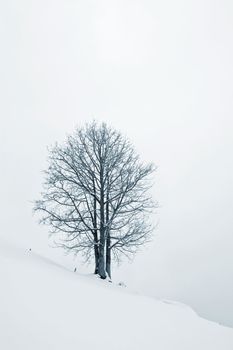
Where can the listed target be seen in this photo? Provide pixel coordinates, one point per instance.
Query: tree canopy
(96, 196)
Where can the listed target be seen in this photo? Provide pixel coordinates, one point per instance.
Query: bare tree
(96, 196)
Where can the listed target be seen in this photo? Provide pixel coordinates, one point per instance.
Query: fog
(162, 73)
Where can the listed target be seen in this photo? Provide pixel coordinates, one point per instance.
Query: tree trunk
(108, 258)
(96, 242)
(96, 250)
(108, 239)
(101, 265)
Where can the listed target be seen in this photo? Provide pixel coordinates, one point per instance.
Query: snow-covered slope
(46, 307)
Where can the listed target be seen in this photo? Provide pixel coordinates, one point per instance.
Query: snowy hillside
(46, 307)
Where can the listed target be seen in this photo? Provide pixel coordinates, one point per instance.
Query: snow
(45, 306)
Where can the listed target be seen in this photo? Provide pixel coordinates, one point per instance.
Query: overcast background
(162, 73)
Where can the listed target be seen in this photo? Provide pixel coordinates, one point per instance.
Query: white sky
(160, 71)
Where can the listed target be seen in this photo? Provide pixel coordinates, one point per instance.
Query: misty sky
(162, 73)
